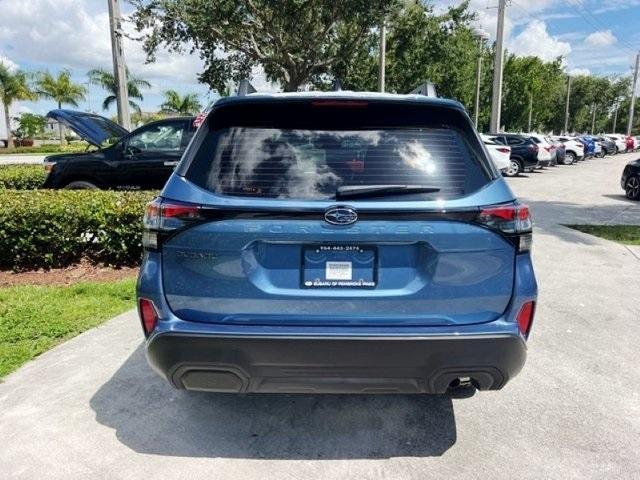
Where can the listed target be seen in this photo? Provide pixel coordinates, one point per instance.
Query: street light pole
(119, 68)
(530, 110)
(496, 100)
(633, 96)
(615, 118)
(482, 36)
(383, 54)
(593, 117)
(566, 108)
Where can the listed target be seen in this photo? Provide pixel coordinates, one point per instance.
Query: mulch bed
(82, 272)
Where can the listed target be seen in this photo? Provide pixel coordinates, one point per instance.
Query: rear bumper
(356, 364)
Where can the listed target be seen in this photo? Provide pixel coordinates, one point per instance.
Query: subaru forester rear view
(336, 243)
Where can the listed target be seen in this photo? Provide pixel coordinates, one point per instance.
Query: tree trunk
(60, 130)
(7, 120)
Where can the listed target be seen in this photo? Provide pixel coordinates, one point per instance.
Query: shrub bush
(50, 148)
(57, 228)
(21, 177)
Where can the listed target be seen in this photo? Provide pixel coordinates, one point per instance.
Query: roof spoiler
(245, 88)
(428, 89)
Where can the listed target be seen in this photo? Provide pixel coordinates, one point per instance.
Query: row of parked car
(514, 153)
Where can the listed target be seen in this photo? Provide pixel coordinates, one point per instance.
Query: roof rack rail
(337, 85)
(428, 89)
(245, 88)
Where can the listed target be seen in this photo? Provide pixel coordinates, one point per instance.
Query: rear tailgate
(277, 248)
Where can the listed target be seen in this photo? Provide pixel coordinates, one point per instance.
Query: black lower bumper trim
(334, 365)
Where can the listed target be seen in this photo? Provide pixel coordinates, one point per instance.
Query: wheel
(514, 168)
(601, 154)
(569, 158)
(632, 188)
(80, 185)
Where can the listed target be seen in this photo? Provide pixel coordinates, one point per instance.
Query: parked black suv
(142, 159)
(524, 151)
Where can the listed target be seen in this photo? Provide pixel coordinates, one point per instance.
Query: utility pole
(383, 53)
(566, 108)
(496, 100)
(119, 68)
(615, 118)
(530, 110)
(633, 96)
(88, 85)
(593, 117)
(482, 36)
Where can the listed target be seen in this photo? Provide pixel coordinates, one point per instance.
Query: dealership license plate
(339, 266)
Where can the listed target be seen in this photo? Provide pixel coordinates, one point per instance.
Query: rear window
(312, 163)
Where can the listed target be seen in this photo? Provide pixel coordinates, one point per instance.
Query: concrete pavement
(92, 408)
(17, 159)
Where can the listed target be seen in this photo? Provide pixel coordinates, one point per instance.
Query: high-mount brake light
(340, 103)
(163, 217)
(513, 220)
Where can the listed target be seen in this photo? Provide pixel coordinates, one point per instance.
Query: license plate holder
(339, 266)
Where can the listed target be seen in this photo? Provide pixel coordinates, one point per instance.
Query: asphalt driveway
(91, 408)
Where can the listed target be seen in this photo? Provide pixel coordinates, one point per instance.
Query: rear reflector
(525, 317)
(148, 315)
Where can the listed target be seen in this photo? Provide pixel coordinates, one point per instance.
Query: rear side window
(514, 141)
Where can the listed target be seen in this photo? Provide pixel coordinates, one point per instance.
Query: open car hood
(93, 128)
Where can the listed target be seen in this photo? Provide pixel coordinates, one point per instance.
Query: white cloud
(535, 40)
(579, 71)
(8, 63)
(74, 34)
(602, 38)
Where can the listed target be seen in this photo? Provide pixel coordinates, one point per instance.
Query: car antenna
(245, 88)
(427, 88)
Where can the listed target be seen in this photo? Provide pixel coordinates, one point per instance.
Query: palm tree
(60, 89)
(13, 86)
(107, 81)
(174, 103)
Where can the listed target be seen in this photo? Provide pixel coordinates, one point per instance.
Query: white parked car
(574, 149)
(546, 150)
(620, 140)
(500, 154)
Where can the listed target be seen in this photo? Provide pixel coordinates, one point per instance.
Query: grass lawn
(628, 234)
(35, 318)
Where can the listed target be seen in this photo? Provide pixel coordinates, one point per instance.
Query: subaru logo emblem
(341, 216)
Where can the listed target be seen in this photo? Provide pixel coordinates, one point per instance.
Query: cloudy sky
(594, 36)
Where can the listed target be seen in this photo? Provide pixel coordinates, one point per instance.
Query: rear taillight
(162, 217)
(504, 150)
(513, 220)
(533, 147)
(525, 317)
(148, 315)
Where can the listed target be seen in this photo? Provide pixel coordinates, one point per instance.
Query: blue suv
(336, 242)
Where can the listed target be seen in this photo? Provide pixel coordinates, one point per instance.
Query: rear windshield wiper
(356, 191)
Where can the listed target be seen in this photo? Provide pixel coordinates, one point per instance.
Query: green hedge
(44, 149)
(22, 177)
(57, 228)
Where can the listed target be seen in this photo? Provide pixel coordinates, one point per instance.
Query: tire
(515, 168)
(80, 185)
(569, 158)
(632, 188)
(601, 154)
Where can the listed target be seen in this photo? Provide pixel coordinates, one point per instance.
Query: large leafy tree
(292, 40)
(14, 86)
(174, 103)
(107, 81)
(61, 89)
